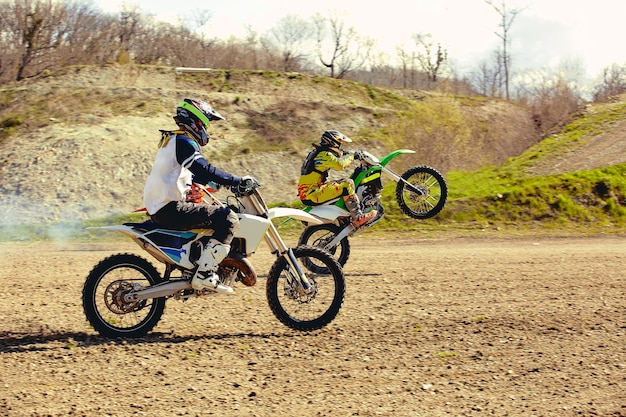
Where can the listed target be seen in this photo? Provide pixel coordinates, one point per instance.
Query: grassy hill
(573, 181)
(76, 145)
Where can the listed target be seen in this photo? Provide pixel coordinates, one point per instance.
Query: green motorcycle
(421, 193)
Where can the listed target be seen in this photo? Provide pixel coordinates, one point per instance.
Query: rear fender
(178, 252)
(298, 214)
(328, 213)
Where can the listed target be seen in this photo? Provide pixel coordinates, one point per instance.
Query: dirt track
(432, 327)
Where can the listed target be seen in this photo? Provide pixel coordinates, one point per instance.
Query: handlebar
(205, 193)
(246, 187)
(366, 157)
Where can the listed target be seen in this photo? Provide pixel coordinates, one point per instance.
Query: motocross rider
(313, 187)
(169, 196)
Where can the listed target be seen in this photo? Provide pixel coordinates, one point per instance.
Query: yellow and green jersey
(314, 171)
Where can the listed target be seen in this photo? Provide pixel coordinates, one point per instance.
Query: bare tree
(377, 70)
(613, 83)
(10, 41)
(163, 43)
(343, 53)
(130, 25)
(507, 16)
(195, 19)
(407, 65)
(39, 33)
(251, 58)
(488, 79)
(87, 37)
(553, 96)
(290, 37)
(431, 58)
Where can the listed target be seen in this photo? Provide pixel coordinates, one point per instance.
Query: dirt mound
(91, 155)
(92, 161)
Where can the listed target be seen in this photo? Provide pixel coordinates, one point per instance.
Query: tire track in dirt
(430, 327)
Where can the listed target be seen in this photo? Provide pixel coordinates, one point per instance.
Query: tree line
(43, 35)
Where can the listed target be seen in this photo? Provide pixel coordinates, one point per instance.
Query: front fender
(298, 214)
(387, 158)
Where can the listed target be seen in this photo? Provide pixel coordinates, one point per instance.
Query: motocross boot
(206, 278)
(358, 217)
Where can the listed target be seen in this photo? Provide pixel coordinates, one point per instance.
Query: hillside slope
(604, 147)
(90, 134)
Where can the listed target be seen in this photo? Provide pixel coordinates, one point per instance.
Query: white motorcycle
(124, 295)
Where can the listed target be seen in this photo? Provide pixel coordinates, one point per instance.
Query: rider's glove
(247, 184)
(358, 155)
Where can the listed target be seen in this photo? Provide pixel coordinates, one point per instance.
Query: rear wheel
(320, 235)
(423, 192)
(104, 304)
(306, 310)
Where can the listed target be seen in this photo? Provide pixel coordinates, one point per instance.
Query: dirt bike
(421, 193)
(124, 295)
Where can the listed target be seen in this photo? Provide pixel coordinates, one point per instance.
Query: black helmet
(194, 116)
(333, 139)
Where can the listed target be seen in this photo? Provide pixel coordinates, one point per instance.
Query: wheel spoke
(425, 194)
(104, 297)
(306, 310)
(320, 236)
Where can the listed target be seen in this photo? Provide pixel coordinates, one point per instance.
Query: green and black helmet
(194, 116)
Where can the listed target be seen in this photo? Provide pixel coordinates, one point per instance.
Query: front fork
(410, 187)
(297, 274)
(298, 278)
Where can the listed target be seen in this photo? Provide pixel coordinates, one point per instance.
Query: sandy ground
(430, 327)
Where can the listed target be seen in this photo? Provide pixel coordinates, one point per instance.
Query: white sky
(545, 34)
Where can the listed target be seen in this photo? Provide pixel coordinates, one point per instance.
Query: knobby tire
(429, 194)
(298, 313)
(119, 272)
(317, 235)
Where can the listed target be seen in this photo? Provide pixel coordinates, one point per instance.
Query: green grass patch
(584, 198)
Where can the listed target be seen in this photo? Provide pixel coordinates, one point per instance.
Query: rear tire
(309, 311)
(319, 236)
(103, 303)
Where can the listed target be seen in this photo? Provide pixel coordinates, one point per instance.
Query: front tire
(103, 297)
(310, 311)
(424, 193)
(319, 236)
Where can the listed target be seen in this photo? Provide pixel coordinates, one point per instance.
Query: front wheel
(320, 235)
(104, 303)
(306, 310)
(423, 192)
